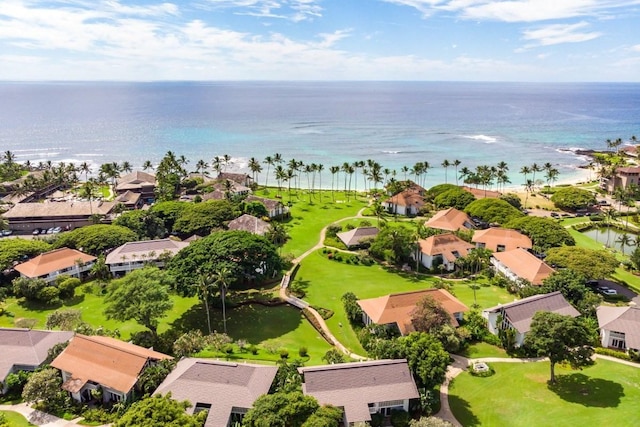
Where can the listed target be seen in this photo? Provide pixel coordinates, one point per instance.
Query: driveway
(620, 289)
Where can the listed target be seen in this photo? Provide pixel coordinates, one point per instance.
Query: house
(397, 309)
(519, 264)
(49, 265)
(450, 220)
(225, 189)
(407, 202)
(134, 255)
(630, 150)
(622, 177)
(361, 388)
(619, 327)
(275, 208)
(94, 362)
(130, 200)
(498, 239)
(442, 249)
(239, 178)
(251, 224)
(354, 238)
(139, 182)
(519, 314)
(226, 390)
(480, 193)
(26, 349)
(26, 217)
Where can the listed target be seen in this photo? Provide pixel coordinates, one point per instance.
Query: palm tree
(320, 168)
(126, 167)
(147, 165)
(404, 170)
(624, 240)
(226, 159)
(255, 167)
(609, 215)
(216, 164)
(87, 190)
(222, 277)
(334, 170)
(445, 165)
(85, 169)
(269, 162)
(205, 284)
(201, 166)
(528, 186)
(525, 170)
(456, 163)
(465, 172)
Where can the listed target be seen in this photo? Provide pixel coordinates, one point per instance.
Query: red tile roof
(50, 262)
(525, 265)
(451, 220)
(445, 245)
(494, 236)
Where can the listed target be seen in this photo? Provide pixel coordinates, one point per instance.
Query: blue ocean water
(394, 123)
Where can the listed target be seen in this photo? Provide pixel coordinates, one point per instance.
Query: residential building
(49, 265)
(450, 220)
(134, 255)
(498, 239)
(518, 315)
(240, 178)
(275, 208)
(407, 202)
(357, 236)
(621, 177)
(361, 388)
(130, 200)
(398, 309)
(250, 223)
(619, 327)
(481, 193)
(26, 349)
(520, 264)
(226, 189)
(26, 217)
(442, 249)
(226, 390)
(139, 182)
(93, 362)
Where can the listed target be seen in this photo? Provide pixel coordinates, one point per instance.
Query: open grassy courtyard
(15, 419)
(518, 395)
(325, 281)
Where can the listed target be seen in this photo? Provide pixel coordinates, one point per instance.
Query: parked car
(607, 291)
(56, 230)
(555, 214)
(7, 232)
(37, 231)
(50, 230)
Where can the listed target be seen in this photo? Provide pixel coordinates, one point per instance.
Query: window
(201, 407)
(500, 248)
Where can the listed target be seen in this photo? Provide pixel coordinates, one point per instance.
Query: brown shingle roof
(128, 198)
(445, 245)
(451, 220)
(223, 385)
(398, 308)
(250, 223)
(494, 236)
(27, 347)
(104, 360)
(135, 181)
(240, 178)
(621, 319)
(520, 313)
(355, 385)
(479, 193)
(144, 249)
(525, 265)
(409, 197)
(355, 236)
(268, 203)
(59, 209)
(53, 261)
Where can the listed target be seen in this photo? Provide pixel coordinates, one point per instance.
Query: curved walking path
(39, 418)
(303, 305)
(461, 363)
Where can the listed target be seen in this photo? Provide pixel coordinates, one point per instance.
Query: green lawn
(307, 219)
(482, 349)
(15, 419)
(92, 308)
(518, 395)
(325, 281)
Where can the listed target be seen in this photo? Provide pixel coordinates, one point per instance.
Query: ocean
(329, 123)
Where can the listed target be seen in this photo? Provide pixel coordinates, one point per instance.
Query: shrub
(68, 287)
(99, 415)
(284, 354)
(333, 229)
(253, 349)
(49, 295)
(303, 352)
(613, 353)
(377, 420)
(400, 418)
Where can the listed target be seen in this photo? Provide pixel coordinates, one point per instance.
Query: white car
(607, 291)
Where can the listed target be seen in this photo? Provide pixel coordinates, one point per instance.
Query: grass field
(308, 219)
(325, 281)
(518, 395)
(15, 419)
(482, 349)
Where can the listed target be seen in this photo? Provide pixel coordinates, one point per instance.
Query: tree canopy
(436, 190)
(589, 263)
(393, 244)
(142, 295)
(18, 250)
(160, 411)
(493, 210)
(45, 386)
(429, 315)
(249, 258)
(169, 212)
(281, 410)
(202, 218)
(573, 198)
(545, 233)
(455, 197)
(95, 239)
(146, 224)
(563, 339)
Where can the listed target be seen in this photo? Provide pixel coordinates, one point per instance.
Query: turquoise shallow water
(394, 123)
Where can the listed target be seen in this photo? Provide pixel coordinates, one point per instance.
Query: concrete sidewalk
(39, 418)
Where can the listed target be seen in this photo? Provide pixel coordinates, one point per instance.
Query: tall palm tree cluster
(608, 161)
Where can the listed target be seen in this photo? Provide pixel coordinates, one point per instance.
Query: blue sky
(506, 40)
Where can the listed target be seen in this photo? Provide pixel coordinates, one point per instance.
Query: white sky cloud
(559, 33)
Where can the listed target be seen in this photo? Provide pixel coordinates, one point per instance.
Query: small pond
(610, 236)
